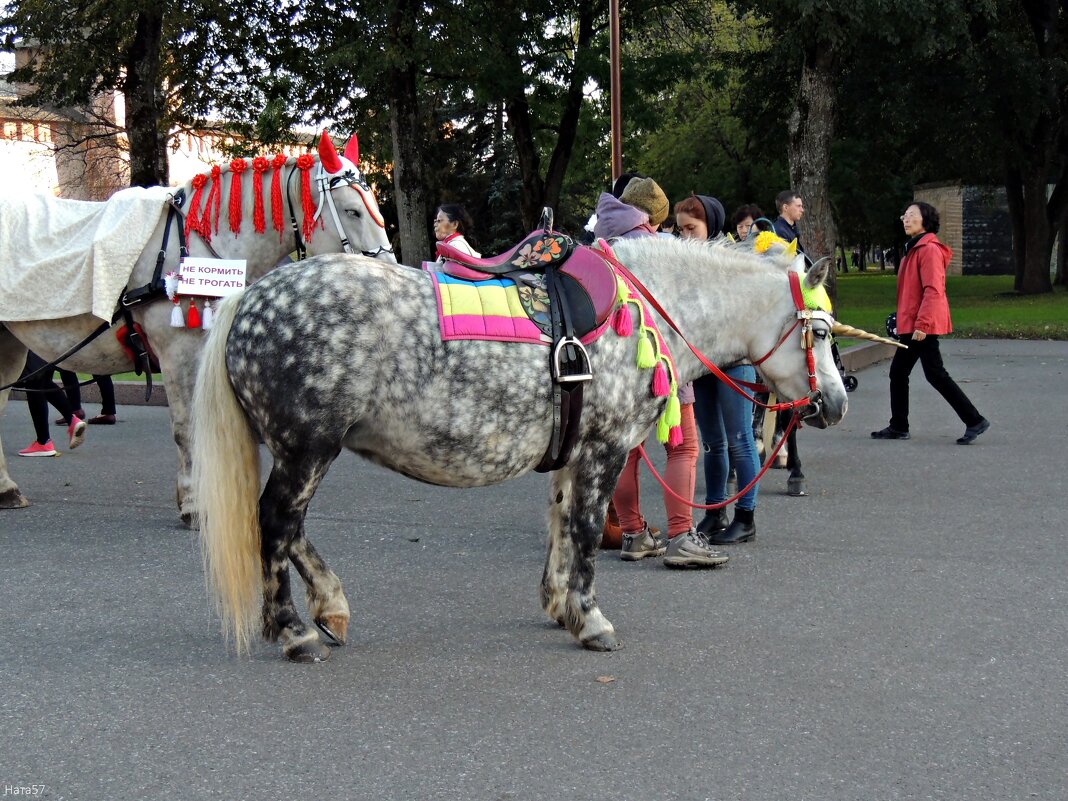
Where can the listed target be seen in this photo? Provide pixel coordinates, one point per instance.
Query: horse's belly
(51, 338)
(453, 447)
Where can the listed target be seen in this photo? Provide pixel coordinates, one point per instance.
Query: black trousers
(38, 401)
(925, 352)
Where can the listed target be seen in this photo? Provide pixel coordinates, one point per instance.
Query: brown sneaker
(691, 549)
(640, 544)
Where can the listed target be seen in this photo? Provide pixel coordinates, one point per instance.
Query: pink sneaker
(37, 449)
(76, 429)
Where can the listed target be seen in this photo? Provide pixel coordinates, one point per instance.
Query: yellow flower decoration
(765, 239)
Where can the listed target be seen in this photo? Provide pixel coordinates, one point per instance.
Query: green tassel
(663, 430)
(646, 352)
(673, 412)
(622, 290)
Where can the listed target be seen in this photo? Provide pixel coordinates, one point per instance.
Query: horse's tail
(226, 480)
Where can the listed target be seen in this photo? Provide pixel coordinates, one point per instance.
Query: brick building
(975, 225)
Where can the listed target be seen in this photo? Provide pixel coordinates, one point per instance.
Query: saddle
(579, 288)
(587, 282)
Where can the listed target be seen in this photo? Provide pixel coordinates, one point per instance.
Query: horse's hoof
(602, 642)
(189, 520)
(13, 499)
(795, 487)
(308, 651)
(334, 627)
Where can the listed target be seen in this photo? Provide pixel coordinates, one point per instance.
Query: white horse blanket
(62, 258)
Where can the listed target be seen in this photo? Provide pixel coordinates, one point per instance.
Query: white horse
(347, 212)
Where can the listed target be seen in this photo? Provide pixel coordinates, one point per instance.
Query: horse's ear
(817, 273)
(352, 150)
(328, 155)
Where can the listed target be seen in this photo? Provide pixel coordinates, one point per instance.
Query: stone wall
(975, 225)
(949, 200)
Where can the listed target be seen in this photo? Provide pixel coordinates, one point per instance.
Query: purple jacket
(619, 220)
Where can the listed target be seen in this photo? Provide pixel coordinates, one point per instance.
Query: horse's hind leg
(12, 360)
(283, 505)
(326, 599)
(579, 501)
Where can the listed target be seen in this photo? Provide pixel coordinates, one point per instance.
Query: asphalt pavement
(900, 633)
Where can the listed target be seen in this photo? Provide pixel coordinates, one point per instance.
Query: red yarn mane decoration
(276, 194)
(213, 203)
(192, 219)
(304, 163)
(237, 167)
(260, 165)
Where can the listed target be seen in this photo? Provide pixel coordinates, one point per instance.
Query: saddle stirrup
(574, 366)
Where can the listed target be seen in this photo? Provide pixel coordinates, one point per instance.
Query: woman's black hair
(928, 214)
(458, 214)
(747, 210)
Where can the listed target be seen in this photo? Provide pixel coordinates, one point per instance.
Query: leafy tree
(169, 62)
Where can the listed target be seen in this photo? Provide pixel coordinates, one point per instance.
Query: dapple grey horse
(343, 352)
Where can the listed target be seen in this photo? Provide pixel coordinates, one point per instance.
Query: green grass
(982, 307)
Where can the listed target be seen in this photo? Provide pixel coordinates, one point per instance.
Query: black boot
(741, 529)
(715, 521)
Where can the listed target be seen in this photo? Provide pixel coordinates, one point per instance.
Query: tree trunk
(1061, 278)
(811, 127)
(406, 129)
(1038, 235)
(537, 192)
(145, 128)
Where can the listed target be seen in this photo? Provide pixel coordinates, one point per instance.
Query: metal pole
(616, 105)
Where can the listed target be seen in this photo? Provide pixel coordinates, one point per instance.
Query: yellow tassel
(622, 290)
(646, 352)
(663, 430)
(673, 412)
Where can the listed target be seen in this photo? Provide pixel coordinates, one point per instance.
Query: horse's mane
(704, 254)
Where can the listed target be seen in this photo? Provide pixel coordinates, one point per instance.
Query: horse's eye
(353, 213)
(820, 333)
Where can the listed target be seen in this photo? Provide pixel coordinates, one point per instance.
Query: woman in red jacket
(922, 316)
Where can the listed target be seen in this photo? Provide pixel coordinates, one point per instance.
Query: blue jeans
(725, 420)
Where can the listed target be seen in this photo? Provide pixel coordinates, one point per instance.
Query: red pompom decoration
(192, 218)
(304, 163)
(260, 165)
(237, 167)
(277, 163)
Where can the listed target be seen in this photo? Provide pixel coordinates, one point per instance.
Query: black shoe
(971, 432)
(890, 433)
(714, 521)
(741, 529)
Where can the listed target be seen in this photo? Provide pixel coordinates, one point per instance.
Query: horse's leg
(578, 504)
(12, 360)
(795, 483)
(284, 503)
(326, 599)
(177, 350)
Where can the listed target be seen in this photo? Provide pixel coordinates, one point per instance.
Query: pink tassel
(675, 437)
(661, 384)
(622, 323)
